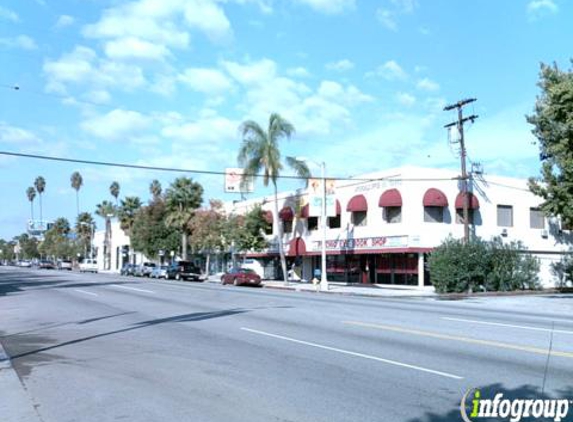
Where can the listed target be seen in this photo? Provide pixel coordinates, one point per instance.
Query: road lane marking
(440, 336)
(132, 288)
(356, 354)
(86, 293)
(499, 324)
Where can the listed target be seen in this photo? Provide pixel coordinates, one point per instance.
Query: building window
(334, 222)
(392, 214)
(460, 216)
(434, 214)
(312, 223)
(358, 218)
(536, 218)
(505, 216)
(287, 227)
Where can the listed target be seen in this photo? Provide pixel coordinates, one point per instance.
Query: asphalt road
(105, 348)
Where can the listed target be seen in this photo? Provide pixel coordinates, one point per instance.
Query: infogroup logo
(474, 407)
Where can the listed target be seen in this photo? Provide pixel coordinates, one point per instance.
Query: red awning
(286, 214)
(296, 247)
(435, 198)
(268, 216)
(473, 202)
(304, 211)
(338, 208)
(357, 203)
(390, 198)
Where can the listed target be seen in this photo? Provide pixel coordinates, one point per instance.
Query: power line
(207, 172)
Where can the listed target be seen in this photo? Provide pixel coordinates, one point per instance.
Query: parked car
(128, 269)
(184, 270)
(143, 270)
(24, 264)
(88, 265)
(160, 271)
(64, 264)
(241, 276)
(45, 264)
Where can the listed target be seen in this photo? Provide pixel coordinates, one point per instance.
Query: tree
(246, 232)
(206, 227)
(553, 127)
(77, 182)
(84, 226)
(150, 234)
(114, 190)
(182, 199)
(31, 194)
(57, 242)
(106, 210)
(28, 246)
(155, 189)
(40, 184)
(260, 151)
(126, 212)
(7, 250)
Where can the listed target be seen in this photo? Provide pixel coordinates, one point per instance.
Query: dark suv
(184, 270)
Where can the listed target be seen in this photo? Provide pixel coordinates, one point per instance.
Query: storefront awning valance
(357, 203)
(390, 198)
(473, 203)
(435, 198)
(296, 247)
(286, 214)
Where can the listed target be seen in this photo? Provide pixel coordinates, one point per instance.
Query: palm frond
(300, 168)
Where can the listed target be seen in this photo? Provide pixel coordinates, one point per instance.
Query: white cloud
(251, 73)
(208, 81)
(330, 6)
(64, 21)
(99, 96)
(427, 84)
(387, 19)
(208, 17)
(539, 8)
(207, 130)
(406, 99)
(23, 42)
(405, 6)
(390, 71)
(135, 48)
(118, 124)
(298, 72)
(16, 135)
(8, 14)
(341, 65)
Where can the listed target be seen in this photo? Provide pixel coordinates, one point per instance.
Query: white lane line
(360, 355)
(499, 324)
(132, 288)
(86, 293)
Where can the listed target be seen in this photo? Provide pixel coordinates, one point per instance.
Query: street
(98, 347)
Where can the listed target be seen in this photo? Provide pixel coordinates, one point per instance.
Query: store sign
(380, 184)
(363, 243)
(315, 198)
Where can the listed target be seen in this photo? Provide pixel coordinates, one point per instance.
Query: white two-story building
(387, 222)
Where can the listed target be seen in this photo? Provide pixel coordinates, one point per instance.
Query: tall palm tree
(40, 184)
(106, 210)
(84, 226)
(31, 194)
(114, 190)
(77, 182)
(260, 151)
(126, 212)
(182, 199)
(155, 189)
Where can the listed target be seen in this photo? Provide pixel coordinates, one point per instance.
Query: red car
(241, 276)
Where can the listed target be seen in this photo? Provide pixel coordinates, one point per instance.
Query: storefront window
(312, 223)
(392, 214)
(460, 216)
(287, 227)
(359, 218)
(334, 222)
(433, 214)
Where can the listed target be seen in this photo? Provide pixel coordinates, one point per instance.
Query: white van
(88, 266)
(254, 265)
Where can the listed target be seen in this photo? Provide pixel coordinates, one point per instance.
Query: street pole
(323, 278)
(92, 242)
(463, 154)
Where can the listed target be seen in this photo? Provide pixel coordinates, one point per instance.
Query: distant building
(384, 228)
(121, 252)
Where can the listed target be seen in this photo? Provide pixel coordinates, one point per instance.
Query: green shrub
(563, 270)
(482, 266)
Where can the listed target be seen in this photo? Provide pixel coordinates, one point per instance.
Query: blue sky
(168, 82)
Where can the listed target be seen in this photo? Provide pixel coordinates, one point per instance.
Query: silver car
(159, 272)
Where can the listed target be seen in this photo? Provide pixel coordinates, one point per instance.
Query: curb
(16, 404)
(356, 294)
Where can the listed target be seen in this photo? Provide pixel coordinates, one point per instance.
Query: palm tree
(126, 212)
(77, 182)
(40, 184)
(31, 193)
(106, 210)
(84, 226)
(182, 199)
(260, 152)
(114, 190)
(155, 189)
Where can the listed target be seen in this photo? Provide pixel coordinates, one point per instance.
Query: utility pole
(460, 126)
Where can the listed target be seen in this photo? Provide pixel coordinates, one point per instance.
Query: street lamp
(322, 165)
